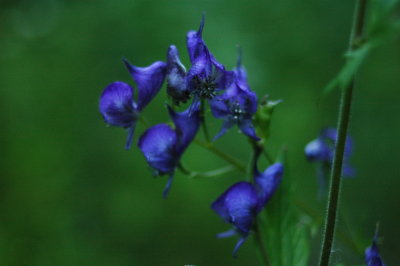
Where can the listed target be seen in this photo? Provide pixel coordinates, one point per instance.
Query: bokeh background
(71, 195)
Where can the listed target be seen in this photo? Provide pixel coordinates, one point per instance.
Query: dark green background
(71, 195)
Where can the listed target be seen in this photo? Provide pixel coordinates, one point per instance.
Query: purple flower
(322, 150)
(163, 146)
(372, 257)
(117, 104)
(240, 204)
(236, 105)
(207, 76)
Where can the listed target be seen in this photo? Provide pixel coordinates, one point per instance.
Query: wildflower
(372, 257)
(236, 105)
(322, 150)
(163, 146)
(206, 77)
(240, 204)
(117, 103)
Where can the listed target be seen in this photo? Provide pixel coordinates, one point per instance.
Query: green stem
(343, 122)
(212, 173)
(203, 121)
(260, 244)
(233, 161)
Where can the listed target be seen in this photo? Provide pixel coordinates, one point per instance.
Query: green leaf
(381, 27)
(286, 230)
(353, 62)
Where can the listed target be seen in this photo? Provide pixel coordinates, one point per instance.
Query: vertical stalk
(260, 244)
(203, 121)
(343, 122)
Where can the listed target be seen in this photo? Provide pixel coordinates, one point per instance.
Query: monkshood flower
(241, 203)
(163, 146)
(206, 76)
(236, 105)
(322, 150)
(372, 257)
(118, 104)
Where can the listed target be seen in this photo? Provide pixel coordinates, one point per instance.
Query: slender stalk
(260, 244)
(343, 122)
(203, 121)
(213, 173)
(233, 161)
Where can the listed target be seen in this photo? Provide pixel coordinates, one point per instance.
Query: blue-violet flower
(240, 204)
(322, 150)
(163, 146)
(236, 105)
(206, 77)
(117, 104)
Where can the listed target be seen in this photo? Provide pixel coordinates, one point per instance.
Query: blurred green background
(71, 195)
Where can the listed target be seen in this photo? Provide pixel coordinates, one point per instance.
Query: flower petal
(129, 138)
(247, 128)
(228, 123)
(238, 245)
(238, 205)
(176, 77)
(240, 72)
(195, 43)
(219, 107)
(148, 80)
(186, 126)
(117, 106)
(158, 147)
(267, 182)
(317, 150)
(168, 186)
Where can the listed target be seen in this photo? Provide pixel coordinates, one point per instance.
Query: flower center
(236, 111)
(205, 87)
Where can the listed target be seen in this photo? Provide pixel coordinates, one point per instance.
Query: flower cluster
(229, 96)
(205, 84)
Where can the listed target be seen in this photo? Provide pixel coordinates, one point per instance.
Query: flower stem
(233, 161)
(260, 244)
(343, 122)
(203, 121)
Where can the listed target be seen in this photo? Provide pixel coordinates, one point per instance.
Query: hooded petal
(117, 106)
(148, 80)
(267, 182)
(176, 77)
(317, 150)
(240, 72)
(195, 43)
(186, 126)
(158, 147)
(237, 206)
(204, 63)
